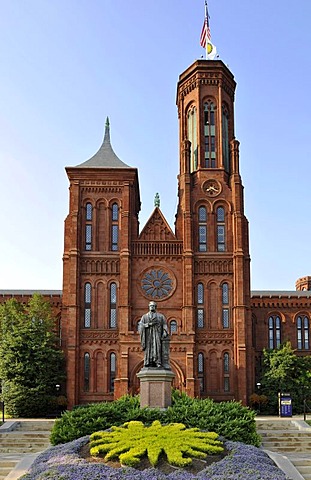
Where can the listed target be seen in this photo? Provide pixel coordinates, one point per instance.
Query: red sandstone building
(199, 274)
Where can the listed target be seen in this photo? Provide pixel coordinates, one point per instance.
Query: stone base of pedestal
(155, 387)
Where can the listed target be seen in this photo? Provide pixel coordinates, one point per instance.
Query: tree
(31, 362)
(284, 371)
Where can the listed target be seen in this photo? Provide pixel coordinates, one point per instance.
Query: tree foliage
(284, 371)
(31, 362)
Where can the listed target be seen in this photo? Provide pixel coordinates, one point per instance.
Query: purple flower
(63, 462)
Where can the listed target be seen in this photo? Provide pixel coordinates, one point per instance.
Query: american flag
(206, 33)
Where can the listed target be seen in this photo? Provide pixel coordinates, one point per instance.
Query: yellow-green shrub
(133, 440)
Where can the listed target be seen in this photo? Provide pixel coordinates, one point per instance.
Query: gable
(157, 228)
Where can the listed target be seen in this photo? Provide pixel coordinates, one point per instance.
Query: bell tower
(211, 222)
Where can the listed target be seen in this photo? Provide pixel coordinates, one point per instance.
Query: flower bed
(64, 462)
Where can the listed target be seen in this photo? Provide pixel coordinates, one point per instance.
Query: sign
(285, 405)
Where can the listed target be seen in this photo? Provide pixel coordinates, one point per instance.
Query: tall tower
(210, 221)
(102, 221)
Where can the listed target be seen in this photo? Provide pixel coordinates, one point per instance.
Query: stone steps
(20, 443)
(6, 466)
(291, 438)
(303, 466)
(35, 425)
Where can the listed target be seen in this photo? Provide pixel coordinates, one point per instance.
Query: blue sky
(65, 65)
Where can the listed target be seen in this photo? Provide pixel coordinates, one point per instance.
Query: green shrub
(229, 419)
(27, 402)
(85, 420)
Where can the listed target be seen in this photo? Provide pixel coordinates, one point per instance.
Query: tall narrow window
(200, 305)
(209, 135)
(202, 217)
(303, 332)
(114, 227)
(112, 372)
(225, 138)
(87, 305)
(192, 136)
(201, 371)
(226, 370)
(274, 331)
(88, 226)
(225, 305)
(221, 229)
(113, 306)
(86, 368)
(173, 326)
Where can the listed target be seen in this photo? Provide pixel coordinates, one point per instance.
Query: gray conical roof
(105, 157)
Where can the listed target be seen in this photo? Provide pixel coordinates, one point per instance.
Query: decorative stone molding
(213, 266)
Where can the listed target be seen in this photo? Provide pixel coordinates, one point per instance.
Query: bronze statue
(153, 333)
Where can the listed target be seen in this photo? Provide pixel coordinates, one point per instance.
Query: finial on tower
(107, 131)
(157, 200)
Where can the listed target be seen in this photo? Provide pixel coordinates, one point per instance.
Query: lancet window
(87, 304)
(303, 342)
(209, 135)
(202, 229)
(115, 227)
(88, 226)
(192, 136)
(274, 323)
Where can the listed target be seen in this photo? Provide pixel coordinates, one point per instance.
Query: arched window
(303, 332)
(114, 227)
(88, 226)
(200, 305)
(87, 304)
(113, 306)
(86, 370)
(225, 305)
(112, 371)
(173, 326)
(201, 371)
(202, 233)
(192, 136)
(209, 135)
(225, 138)
(226, 370)
(221, 229)
(274, 331)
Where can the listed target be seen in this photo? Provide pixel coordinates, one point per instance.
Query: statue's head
(152, 306)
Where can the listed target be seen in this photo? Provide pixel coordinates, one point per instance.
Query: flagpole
(206, 39)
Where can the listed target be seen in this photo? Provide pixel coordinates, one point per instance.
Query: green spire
(157, 200)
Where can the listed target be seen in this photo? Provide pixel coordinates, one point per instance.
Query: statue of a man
(153, 329)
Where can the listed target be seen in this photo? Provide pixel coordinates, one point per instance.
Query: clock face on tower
(212, 188)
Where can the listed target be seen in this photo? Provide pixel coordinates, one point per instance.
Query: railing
(306, 409)
(157, 248)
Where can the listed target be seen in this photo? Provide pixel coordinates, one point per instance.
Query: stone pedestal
(155, 387)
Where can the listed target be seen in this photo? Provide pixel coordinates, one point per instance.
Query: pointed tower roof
(105, 157)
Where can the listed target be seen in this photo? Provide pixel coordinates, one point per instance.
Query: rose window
(157, 284)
